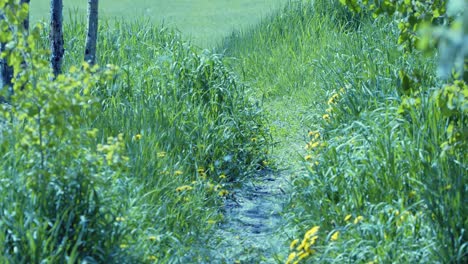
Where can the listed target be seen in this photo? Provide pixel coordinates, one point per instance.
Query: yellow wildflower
(308, 157)
(253, 140)
(291, 257)
(120, 219)
(161, 154)
(335, 236)
(304, 255)
(314, 134)
(333, 99)
(347, 218)
(326, 116)
(152, 238)
(315, 144)
(222, 176)
(178, 172)
(223, 193)
(312, 240)
(358, 219)
(303, 245)
(137, 137)
(314, 230)
(184, 188)
(293, 244)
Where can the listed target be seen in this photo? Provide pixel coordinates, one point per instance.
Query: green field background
(206, 22)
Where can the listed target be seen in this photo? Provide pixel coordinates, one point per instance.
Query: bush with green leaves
(56, 180)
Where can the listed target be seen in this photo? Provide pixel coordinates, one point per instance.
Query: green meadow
(235, 132)
(206, 22)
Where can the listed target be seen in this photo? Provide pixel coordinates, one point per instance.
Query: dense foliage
(385, 151)
(131, 162)
(124, 163)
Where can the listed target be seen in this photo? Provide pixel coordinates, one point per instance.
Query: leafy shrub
(56, 202)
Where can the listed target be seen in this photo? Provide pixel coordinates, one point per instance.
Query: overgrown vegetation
(126, 163)
(386, 177)
(131, 162)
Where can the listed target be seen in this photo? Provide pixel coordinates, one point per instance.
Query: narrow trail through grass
(255, 229)
(277, 64)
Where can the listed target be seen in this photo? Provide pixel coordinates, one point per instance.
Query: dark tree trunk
(26, 21)
(56, 36)
(6, 71)
(91, 36)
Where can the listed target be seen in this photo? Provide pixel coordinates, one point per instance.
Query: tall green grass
(377, 170)
(142, 173)
(139, 175)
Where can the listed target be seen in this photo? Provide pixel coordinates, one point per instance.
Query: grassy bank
(125, 164)
(379, 178)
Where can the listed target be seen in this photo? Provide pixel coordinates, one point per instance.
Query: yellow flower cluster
(202, 172)
(223, 193)
(332, 101)
(314, 140)
(137, 137)
(356, 221)
(184, 188)
(314, 145)
(304, 249)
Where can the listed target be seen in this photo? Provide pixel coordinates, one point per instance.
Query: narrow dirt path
(251, 233)
(255, 230)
